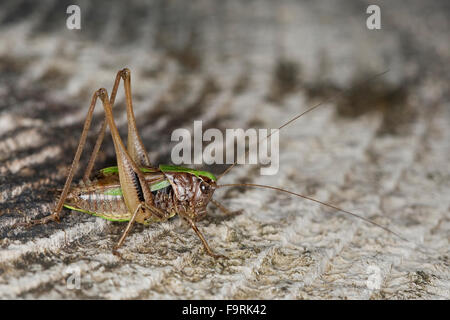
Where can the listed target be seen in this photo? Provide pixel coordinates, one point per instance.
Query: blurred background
(380, 148)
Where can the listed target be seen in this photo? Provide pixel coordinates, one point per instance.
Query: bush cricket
(137, 191)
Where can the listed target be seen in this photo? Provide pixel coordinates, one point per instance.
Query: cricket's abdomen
(104, 202)
(103, 197)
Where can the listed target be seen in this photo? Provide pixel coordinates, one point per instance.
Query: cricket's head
(193, 190)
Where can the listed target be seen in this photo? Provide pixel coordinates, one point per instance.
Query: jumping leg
(136, 148)
(57, 210)
(101, 133)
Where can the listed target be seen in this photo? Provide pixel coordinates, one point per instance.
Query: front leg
(225, 210)
(205, 244)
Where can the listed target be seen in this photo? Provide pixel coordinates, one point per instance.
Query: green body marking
(114, 169)
(154, 187)
(166, 168)
(118, 192)
(95, 214)
(197, 173)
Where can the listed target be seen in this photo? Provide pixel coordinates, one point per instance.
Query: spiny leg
(127, 230)
(57, 210)
(205, 244)
(136, 192)
(225, 210)
(135, 146)
(134, 187)
(55, 216)
(101, 133)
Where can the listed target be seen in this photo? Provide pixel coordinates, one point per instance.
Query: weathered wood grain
(382, 150)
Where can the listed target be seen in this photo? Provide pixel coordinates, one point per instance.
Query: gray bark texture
(379, 149)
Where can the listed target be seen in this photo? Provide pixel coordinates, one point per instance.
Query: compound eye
(204, 187)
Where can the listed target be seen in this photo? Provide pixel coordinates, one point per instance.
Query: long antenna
(305, 112)
(417, 246)
(317, 201)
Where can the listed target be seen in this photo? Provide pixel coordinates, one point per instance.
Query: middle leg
(125, 233)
